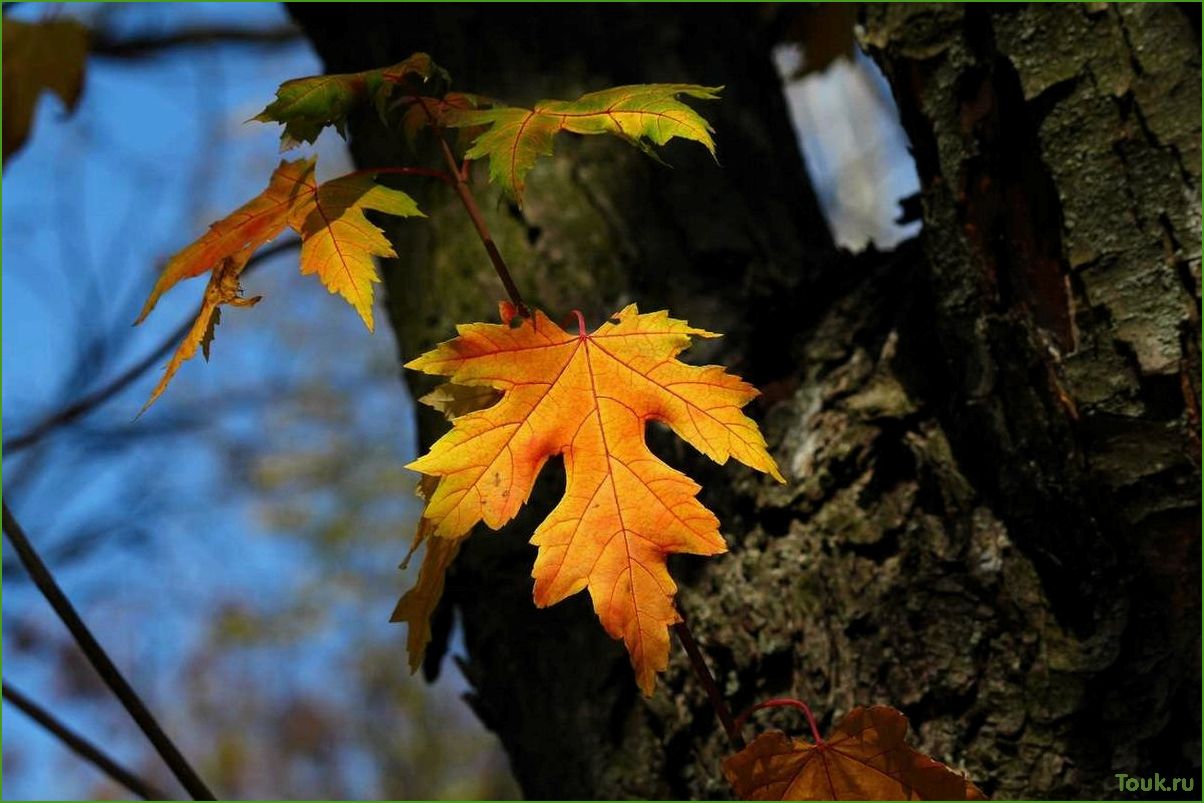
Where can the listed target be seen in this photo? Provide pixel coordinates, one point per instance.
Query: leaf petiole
(784, 702)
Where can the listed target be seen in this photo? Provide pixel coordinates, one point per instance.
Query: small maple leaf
(252, 225)
(307, 105)
(39, 56)
(421, 112)
(588, 396)
(418, 604)
(337, 241)
(224, 288)
(864, 758)
(641, 114)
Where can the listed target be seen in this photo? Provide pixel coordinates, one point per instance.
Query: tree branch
(89, 401)
(464, 192)
(699, 664)
(82, 747)
(102, 43)
(101, 662)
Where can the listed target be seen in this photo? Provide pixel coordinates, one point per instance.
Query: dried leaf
(824, 30)
(39, 57)
(418, 604)
(864, 758)
(223, 288)
(641, 114)
(587, 397)
(456, 400)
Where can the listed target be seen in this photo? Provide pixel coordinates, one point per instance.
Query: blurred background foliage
(235, 549)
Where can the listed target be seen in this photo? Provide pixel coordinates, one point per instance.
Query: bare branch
(104, 44)
(100, 660)
(82, 747)
(90, 401)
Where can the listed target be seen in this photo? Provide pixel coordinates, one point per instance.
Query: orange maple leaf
(337, 243)
(588, 396)
(418, 604)
(864, 758)
(252, 225)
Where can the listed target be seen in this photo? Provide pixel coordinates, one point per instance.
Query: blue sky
(156, 150)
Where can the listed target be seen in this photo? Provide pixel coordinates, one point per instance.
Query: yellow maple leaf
(515, 138)
(588, 397)
(338, 242)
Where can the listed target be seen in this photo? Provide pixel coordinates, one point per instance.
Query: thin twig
(464, 191)
(404, 171)
(103, 43)
(703, 673)
(100, 660)
(82, 747)
(89, 401)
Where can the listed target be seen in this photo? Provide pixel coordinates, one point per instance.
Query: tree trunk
(991, 434)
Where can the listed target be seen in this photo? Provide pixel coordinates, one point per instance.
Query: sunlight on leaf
(307, 105)
(643, 114)
(588, 396)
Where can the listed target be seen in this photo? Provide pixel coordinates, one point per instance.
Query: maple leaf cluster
(519, 394)
(338, 242)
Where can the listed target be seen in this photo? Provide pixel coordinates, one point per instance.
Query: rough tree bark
(991, 434)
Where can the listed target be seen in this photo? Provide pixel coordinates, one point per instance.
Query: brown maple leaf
(865, 757)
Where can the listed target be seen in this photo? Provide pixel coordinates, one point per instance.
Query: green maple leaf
(307, 105)
(643, 114)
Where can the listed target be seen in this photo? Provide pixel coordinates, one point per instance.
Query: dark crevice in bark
(1076, 510)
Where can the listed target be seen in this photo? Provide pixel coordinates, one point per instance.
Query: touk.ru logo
(1130, 783)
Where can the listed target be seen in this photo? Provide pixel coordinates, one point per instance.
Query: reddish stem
(580, 323)
(785, 702)
(474, 213)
